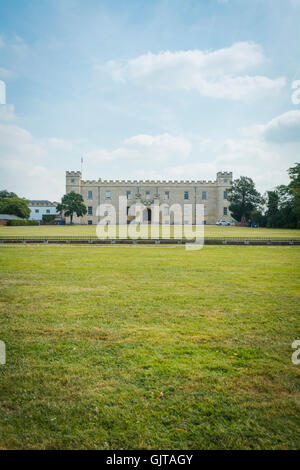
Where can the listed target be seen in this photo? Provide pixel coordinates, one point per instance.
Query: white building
(39, 208)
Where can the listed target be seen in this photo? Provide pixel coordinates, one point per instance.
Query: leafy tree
(258, 217)
(71, 203)
(273, 199)
(15, 206)
(243, 198)
(5, 193)
(272, 203)
(294, 187)
(280, 208)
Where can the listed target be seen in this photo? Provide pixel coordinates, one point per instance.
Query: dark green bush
(48, 217)
(22, 222)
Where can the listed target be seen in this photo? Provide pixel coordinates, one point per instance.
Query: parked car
(222, 222)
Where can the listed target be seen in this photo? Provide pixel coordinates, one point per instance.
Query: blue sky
(147, 89)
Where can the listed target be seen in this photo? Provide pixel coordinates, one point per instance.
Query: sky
(147, 89)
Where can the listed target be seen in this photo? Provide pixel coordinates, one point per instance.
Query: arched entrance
(148, 215)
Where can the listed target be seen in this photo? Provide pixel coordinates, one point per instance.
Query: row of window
(166, 211)
(147, 194)
(186, 222)
(38, 210)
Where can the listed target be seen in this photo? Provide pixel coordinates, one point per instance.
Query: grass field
(90, 230)
(153, 348)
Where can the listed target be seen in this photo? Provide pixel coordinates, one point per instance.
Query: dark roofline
(9, 217)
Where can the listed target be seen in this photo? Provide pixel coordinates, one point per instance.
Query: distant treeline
(279, 208)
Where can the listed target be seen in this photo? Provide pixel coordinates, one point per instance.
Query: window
(225, 211)
(106, 213)
(204, 195)
(225, 181)
(90, 222)
(147, 194)
(186, 194)
(166, 211)
(90, 210)
(37, 211)
(186, 211)
(225, 195)
(47, 211)
(167, 195)
(205, 211)
(90, 194)
(107, 195)
(128, 194)
(72, 181)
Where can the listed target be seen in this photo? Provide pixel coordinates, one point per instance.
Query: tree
(71, 203)
(15, 206)
(280, 208)
(5, 193)
(273, 199)
(272, 202)
(243, 198)
(258, 217)
(294, 187)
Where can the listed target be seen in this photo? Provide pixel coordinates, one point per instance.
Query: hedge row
(22, 222)
(49, 217)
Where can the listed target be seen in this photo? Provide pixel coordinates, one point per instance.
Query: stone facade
(210, 193)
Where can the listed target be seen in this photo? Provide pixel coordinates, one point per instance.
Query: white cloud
(145, 149)
(169, 157)
(15, 140)
(266, 165)
(7, 112)
(284, 128)
(5, 73)
(60, 143)
(211, 73)
(279, 130)
(24, 161)
(28, 179)
(14, 45)
(249, 157)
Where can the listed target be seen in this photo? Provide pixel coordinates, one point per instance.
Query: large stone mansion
(212, 194)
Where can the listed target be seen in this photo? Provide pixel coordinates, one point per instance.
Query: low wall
(97, 241)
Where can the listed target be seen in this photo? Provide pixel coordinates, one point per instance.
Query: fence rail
(209, 240)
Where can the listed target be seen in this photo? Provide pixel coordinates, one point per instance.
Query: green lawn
(149, 347)
(90, 230)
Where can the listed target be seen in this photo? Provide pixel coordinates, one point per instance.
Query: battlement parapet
(89, 182)
(73, 173)
(224, 174)
(77, 174)
(146, 182)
